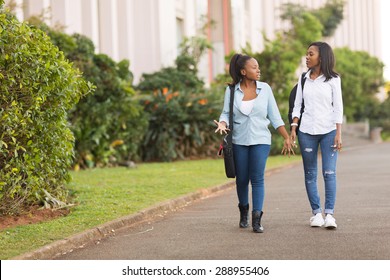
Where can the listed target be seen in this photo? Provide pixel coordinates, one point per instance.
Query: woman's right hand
(221, 127)
(293, 136)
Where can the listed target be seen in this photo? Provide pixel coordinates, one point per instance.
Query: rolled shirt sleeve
(225, 111)
(298, 100)
(273, 111)
(337, 101)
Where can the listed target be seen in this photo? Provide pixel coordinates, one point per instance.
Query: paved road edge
(87, 237)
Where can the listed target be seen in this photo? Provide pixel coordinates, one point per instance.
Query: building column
(67, 13)
(168, 40)
(125, 23)
(190, 18)
(90, 23)
(18, 8)
(36, 8)
(145, 55)
(255, 34)
(220, 34)
(108, 28)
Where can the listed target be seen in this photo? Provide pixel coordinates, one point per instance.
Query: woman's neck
(246, 83)
(315, 72)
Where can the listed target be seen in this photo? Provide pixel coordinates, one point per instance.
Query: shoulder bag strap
(230, 135)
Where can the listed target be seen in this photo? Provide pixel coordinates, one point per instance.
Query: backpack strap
(303, 80)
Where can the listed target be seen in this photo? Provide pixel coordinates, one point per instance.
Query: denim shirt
(252, 129)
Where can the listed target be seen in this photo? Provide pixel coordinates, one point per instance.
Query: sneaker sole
(316, 225)
(330, 227)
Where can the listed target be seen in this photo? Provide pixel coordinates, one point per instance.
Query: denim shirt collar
(258, 87)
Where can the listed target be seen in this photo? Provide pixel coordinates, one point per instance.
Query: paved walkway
(208, 228)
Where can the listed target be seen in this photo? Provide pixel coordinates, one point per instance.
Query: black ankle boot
(256, 221)
(244, 209)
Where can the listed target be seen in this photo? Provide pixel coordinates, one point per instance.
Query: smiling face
(313, 57)
(251, 70)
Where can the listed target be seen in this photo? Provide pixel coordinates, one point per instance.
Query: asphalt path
(207, 229)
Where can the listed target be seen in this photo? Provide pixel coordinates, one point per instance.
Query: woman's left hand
(287, 147)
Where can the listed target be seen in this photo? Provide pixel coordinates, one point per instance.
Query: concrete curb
(82, 239)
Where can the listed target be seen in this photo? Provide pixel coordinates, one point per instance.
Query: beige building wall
(147, 32)
(360, 29)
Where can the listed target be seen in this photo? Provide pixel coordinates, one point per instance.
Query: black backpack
(291, 101)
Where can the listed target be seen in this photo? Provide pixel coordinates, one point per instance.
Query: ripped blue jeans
(309, 148)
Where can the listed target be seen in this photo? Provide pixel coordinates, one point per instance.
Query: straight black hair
(237, 63)
(327, 60)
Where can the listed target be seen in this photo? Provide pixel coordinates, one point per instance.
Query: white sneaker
(330, 222)
(317, 220)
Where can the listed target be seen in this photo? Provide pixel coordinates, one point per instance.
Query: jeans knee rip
(308, 150)
(329, 172)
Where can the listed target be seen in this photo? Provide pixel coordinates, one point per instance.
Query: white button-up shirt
(323, 104)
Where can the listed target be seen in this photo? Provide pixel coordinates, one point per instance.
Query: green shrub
(180, 110)
(38, 86)
(169, 77)
(361, 76)
(380, 116)
(180, 125)
(108, 125)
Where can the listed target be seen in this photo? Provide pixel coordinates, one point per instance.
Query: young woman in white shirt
(320, 127)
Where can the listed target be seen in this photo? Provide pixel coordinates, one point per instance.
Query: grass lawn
(102, 195)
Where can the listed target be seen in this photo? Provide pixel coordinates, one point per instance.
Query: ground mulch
(32, 216)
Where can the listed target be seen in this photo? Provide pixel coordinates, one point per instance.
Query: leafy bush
(362, 76)
(180, 125)
(108, 125)
(38, 86)
(180, 110)
(169, 77)
(380, 116)
(330, 14)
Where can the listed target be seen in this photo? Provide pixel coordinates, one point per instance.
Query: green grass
(102, 195)
(385, 136)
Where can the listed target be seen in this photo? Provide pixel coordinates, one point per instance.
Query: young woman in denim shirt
(320, 126)
(254, 108)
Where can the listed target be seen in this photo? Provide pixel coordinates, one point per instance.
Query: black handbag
(227, 143)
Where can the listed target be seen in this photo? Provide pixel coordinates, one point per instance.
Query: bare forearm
(282, 131)
(338, 128)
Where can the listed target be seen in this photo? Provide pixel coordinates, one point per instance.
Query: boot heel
(256, 221)
(244, 209)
